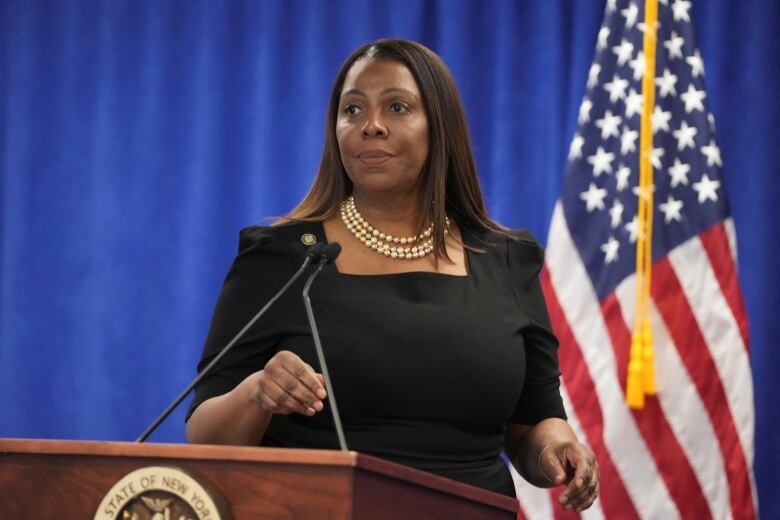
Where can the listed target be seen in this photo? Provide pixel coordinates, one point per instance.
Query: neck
(399, 215)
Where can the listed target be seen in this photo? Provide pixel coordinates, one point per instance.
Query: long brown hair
(449, 174)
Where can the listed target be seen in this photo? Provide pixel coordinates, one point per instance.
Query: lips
(374, 157)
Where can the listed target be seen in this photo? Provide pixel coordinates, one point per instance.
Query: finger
(304, 373)
(297, 378)
(593, 490)
(583, 488)
(551, 466)
(586, 500)
(579, 496)
(285, 402)
(294, 382)
(269, 404)
(580, 482)
(574, 495)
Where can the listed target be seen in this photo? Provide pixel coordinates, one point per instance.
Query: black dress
(427, 368)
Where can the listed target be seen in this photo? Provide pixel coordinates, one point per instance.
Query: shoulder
(285, 244)
(522, 246)
(513, 245)
(293, 236)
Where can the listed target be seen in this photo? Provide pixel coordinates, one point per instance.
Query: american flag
(688, 453)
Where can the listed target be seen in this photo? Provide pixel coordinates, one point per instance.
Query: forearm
(525, 450)
(231, 418)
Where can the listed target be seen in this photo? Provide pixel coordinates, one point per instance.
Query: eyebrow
(357, 92)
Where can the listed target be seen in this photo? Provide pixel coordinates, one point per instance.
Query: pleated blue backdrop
(136, 138)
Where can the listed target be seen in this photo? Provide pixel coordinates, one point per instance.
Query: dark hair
(449, 174)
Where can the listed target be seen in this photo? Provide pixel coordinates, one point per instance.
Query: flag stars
(616, 88)
(622, 175)
(630, 13)
(696, 63)
(623, 51)
(671, 209)
(610, 249)
(655, 157)
(628, 140)
(633, 229)
(638, 65)
(706, 189)
(601, 161)
(616, 213)
(642, 26)
(660, 119)
(680, 10)
(712, 152)
(584, 115)
(633, 103)
(575, 150)
(594, 197)
(593, 75)
(693, 99)
(684, 136)
(679, 172)
(643, 193)
(674, 45)
(609, 125)
(603, 38)
(666, 84)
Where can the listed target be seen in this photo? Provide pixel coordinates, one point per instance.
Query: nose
(374, 126)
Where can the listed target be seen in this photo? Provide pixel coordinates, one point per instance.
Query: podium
(70, 479)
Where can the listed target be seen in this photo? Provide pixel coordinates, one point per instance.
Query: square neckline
(466, 256)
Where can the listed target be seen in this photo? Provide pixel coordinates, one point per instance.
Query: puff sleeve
(540, 398)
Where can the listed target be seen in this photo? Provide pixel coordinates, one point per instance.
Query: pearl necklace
(402, 248)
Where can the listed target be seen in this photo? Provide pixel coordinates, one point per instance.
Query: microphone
(330, 252)
(313, 254)
(328, 255)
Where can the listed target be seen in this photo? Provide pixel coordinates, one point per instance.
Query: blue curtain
(136, 138)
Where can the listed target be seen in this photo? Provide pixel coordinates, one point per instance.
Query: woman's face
(382, 129)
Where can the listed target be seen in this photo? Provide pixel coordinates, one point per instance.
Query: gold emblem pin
(308, 239)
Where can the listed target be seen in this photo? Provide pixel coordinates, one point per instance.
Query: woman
(434, 325)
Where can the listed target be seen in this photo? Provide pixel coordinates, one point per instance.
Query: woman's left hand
(574, 465)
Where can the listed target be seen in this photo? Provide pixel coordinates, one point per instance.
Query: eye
(351, 109)
(399, 107)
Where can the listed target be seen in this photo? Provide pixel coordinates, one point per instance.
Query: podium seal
(158, 493)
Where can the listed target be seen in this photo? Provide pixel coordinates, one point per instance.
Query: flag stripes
(586, 406)
(716, 243)
(698, 360)
(683, 408)
(676, 471)
(596, 365)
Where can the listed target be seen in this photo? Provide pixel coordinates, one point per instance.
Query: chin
(386, 185)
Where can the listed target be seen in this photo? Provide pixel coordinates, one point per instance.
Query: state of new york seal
(158, 493)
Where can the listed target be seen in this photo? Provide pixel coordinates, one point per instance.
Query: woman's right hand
(288, 385)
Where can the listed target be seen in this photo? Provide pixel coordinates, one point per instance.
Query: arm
(231, 418)
(548, 455)
(235, 402)
(241, 416)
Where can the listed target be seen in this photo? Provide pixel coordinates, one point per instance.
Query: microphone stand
(318, 344)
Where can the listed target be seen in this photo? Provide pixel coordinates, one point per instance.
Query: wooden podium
(69, 479)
